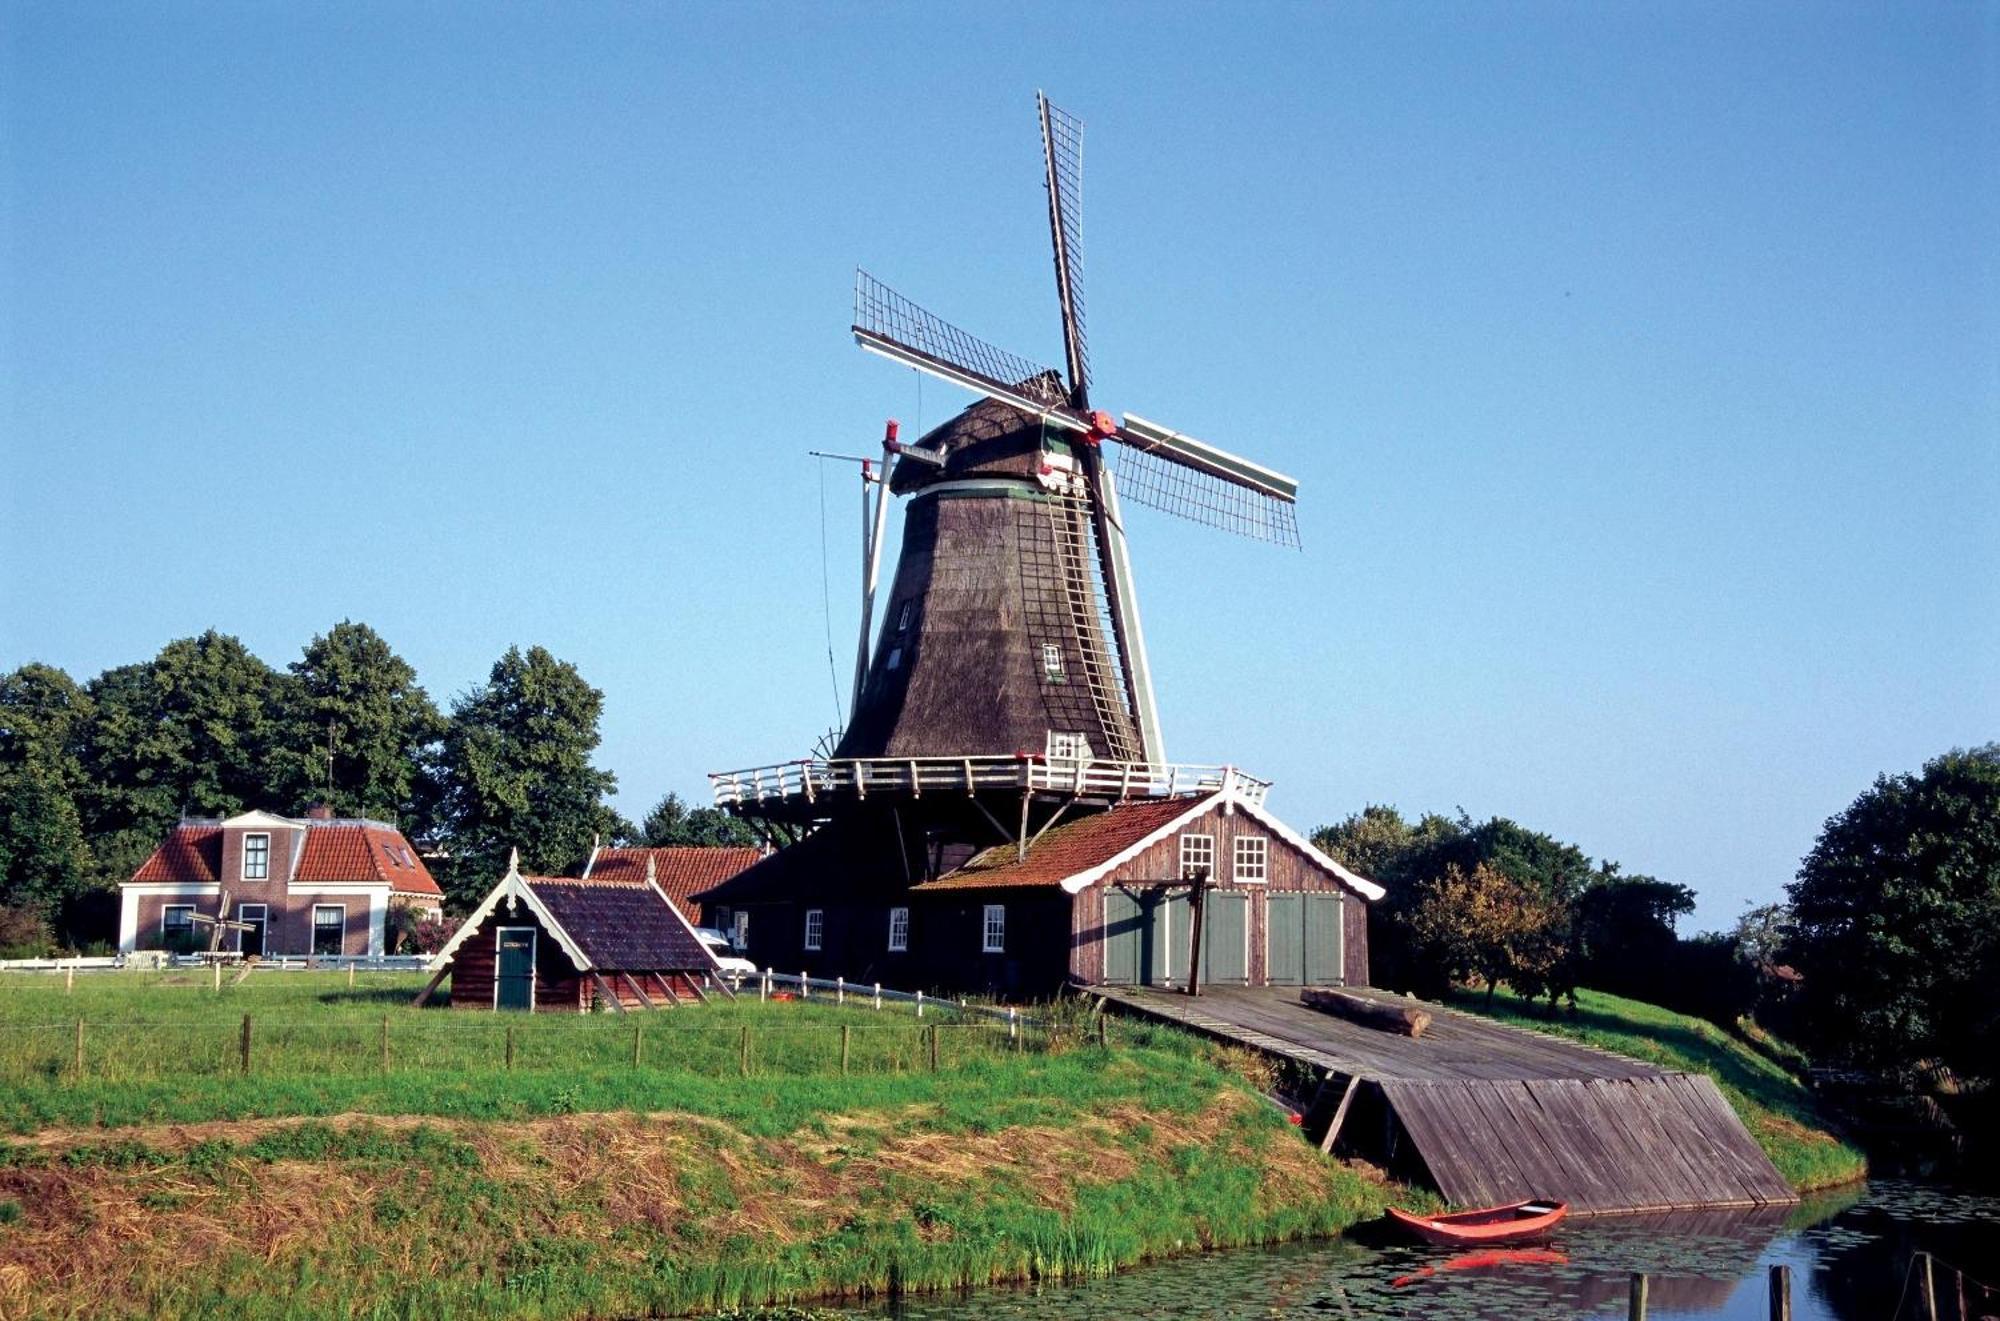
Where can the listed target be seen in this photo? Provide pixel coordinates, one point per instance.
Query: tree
(673, 822)
(517, 773)
(1896, 919)
(44, 861)
(354, 695)
(1624, 928)
(190, 731)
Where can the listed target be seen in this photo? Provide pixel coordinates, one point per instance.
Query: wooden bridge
(1489, 1113)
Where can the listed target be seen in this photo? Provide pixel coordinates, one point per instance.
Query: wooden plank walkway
(1497, 1113)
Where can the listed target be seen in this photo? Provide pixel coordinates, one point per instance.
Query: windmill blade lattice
(1158, 482)
(1062, 148)
(884, 314)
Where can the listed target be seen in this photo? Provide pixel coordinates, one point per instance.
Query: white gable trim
(1231, 800)
(513, 889)
(261, 820)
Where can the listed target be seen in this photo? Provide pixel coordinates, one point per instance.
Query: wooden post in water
(510, 1048)
(1635, 1307)
(1930, 1291)
(246, 1043)
(844, 1029)
(385, 1043)
(1781, 1293)
(79, 1057)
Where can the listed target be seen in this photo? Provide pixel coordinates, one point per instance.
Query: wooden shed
(561, 943)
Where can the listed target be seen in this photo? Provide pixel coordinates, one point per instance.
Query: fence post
(638, 1043)
(510, 1048)
(920, 1004)
(805, 991)
(746, 1050)
(844, 1030)
(1781, 1293)
(840, 990)
(764, 986)
(350, 974)
(246, 1043)
(1635, 1309)
(69, 979)
(1013, 1025)
(934, 1032)
(79, 1048)
(1103, 1032)
(385, 1043)
(216, 967)
(878, 995)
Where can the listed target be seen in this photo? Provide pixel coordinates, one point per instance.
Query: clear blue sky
(1638, 365)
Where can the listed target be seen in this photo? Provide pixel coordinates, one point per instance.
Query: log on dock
(1381, 1016)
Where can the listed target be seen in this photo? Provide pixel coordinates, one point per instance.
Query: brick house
(312, 885)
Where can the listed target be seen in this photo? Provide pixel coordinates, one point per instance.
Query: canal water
(1850, 1256)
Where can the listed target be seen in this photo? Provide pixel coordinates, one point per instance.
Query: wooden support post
(844, 1030)
(673, 996)
(1929, 1291)
(746, 1050)
(385, 1043)
(1635, 1309)
(510, 1048)
(639, 991)
(1781, 1293)
(638, 1044)
(1339, 1115)
(79, 1048)
(430, 987)
(1103, 1032)
(604, 988)
(934, 1048)
(245, 1048)
(1197, 904)
(695, 986)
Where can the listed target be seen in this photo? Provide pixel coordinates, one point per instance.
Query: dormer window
(1068, 747)
(256, 857)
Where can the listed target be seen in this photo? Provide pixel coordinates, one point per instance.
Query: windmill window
(993, 934)
(1197, 855)
(815, 927)
(903, 615)
(1052, 662)
(1253, 858)
(256, 857)
(899, 929)
(895, 658)
(329, 927)
(1068, 747)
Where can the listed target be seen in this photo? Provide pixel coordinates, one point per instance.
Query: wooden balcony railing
(807, 782)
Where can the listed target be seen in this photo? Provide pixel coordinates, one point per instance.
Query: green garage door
(1302, 939)
(1225, 946)
(1136, 949)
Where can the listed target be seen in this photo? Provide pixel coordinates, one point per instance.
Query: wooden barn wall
(946, 931)
(558, 985)
(1288, 870)
(648, 989)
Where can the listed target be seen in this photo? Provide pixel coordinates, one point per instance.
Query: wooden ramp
(1493, 1113)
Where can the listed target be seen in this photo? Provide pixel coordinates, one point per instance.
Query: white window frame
(313, 944)
(1251, 867)
(993, 930)
(1197, 850)
(263, 873)
(899, 930)
(1068, 747)
(263, 917)
(741, 929)
(815, 935)
(1053, 669)
(165, 909)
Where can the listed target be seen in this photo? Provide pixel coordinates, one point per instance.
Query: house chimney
(320, 812)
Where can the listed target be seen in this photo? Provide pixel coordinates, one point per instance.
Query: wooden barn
(563, 943)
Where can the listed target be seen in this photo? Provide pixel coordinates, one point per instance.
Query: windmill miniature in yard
(1008, 692)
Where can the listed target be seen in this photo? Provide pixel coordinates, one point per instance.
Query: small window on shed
(815, 927)
(1253, 858)
(899, 929)
(1052, 663)
(1197, 855)
(993, 932)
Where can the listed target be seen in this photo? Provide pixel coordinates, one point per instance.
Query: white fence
(281, 963)
(915, 776)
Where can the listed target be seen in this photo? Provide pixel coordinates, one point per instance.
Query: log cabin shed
(565, 943)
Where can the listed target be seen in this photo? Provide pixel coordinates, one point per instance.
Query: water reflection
(1849, 1256)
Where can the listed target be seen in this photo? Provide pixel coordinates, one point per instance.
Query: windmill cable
(826, 601)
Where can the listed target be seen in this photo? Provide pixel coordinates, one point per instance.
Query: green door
(1136, 948)
(1124, 935)
(1225, 953)
(1323, 939)
(514, 969)
(1285, 936)
(1172, 933)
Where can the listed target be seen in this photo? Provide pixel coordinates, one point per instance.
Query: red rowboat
(1494, 1224)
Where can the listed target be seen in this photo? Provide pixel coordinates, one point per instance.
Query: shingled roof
(680, 872)
(620, 926)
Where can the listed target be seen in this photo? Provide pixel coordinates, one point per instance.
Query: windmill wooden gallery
(999, 814)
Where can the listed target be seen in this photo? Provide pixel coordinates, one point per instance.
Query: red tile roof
(192, 855)
(1065, 850)
(680, 872)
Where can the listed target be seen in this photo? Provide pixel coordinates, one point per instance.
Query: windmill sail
(1177, 474)
(887, 323)
(1062, 154)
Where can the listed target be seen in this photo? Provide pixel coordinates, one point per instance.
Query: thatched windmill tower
(1009, 685)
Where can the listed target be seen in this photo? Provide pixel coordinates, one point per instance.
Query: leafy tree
(44, 861)
(351, 693)
(517, 772)
(190, 731)
(43, 713)
(1472, 925)
(1625, 939)
(673, 822)
(1896, 914)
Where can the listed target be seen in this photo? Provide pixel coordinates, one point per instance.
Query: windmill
(1013, 619)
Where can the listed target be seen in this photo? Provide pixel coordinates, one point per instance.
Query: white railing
(913, 777)
(838, 990)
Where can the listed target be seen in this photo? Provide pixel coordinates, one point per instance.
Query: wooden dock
(1489, 1113)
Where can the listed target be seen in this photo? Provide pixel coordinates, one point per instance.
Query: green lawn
(1755, 1075)
(579, 1184)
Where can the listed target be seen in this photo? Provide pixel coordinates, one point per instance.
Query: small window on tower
(903, 614)
(895, 661)
(1068, 747)
(1052, 662)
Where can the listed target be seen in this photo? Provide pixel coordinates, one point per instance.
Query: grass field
(1756, 1075)
(578, 1184)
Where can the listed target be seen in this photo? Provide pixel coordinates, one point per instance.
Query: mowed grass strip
(1773, 1103)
